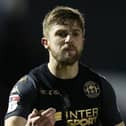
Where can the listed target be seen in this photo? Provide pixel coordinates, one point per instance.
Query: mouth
(69, 51)
(69, 48)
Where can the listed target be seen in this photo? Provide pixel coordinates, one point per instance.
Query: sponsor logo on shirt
(50, 92)
(82, 117)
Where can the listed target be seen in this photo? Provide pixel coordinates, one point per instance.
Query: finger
(48, 112)
(48, 117)
(33, 121)
(33, 113)
(52, 120)
(46, 121)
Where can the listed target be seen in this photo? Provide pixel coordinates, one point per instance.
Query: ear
(44, 42)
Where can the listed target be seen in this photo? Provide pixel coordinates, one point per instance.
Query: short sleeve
(110, 110)
(22, 97)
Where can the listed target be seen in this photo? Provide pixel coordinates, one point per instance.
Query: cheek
(79, 43)
(54, 45)
(57, 43)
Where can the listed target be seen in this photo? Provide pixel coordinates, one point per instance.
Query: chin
(69, 61)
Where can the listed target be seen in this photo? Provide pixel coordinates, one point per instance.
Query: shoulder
(36, 72)
(38, 69)
(88, 71)
(28, 83)
(94, 75)
(21, 94)
(24, 86)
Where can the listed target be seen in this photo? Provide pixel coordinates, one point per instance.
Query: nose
(68, 38)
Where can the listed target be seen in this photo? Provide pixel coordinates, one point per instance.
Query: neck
(63, 71)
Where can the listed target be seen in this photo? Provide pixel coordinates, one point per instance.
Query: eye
(76, 33)
(62, 33)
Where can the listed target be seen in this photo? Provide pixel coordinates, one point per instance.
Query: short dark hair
(61, 13)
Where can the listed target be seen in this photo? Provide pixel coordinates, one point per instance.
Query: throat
(63, 72)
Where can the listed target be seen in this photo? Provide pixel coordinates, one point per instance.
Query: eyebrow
(76, 29)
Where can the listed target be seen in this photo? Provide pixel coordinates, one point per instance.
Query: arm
(15, 121)
(110, 110)
(21, 100)
(20, 110)
(46, 117)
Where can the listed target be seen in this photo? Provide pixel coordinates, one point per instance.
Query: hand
(44, 118)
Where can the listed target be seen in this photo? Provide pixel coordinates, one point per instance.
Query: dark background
(21, 32)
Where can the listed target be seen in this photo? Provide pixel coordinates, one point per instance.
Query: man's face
(65, 42)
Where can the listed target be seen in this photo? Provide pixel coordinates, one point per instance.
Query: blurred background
(21, 32)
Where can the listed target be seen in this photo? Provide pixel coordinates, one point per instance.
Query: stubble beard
(65, 58)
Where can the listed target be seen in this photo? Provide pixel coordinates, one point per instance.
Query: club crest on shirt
(91, 89)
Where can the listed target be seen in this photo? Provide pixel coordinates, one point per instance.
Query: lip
(70, 51)
(69, 48)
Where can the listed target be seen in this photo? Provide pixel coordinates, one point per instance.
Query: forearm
(15, 121)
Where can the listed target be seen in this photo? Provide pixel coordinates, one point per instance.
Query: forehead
(67, 25)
